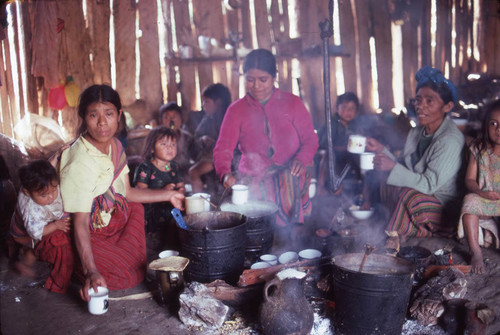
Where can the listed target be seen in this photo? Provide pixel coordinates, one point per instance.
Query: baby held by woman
(39, 211)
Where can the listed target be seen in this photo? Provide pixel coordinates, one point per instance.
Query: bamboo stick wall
(82, 49)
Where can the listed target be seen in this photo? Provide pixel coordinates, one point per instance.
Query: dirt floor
(27, 308)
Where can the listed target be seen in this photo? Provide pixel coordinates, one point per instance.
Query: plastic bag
(40, 133)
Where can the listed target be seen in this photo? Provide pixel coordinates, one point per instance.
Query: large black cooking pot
(214, 244)
(261, 217)
(374, 301)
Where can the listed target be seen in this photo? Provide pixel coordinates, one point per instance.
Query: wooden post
(383, 43)
(75, 45)
(149, 76)
(7, 124)
(187, 85)
(98, 16)
(17, 80)
(31, 92)
(490, 49)
(170, 95)
(264, 38)
(348, 40)
(425, 37)
(410, 49)
(364, 21)
(124, 27)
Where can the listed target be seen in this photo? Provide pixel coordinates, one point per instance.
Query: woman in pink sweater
(274, 132)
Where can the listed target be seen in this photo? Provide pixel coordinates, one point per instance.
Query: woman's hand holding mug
(228, 180)
(373, 145)
(177, 199)
(382, 162)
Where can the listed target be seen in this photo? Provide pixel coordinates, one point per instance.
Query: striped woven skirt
(417, 214)
(289, 193)
(119, 251)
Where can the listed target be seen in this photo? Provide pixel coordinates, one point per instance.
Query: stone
(428, 302)
(199, 309)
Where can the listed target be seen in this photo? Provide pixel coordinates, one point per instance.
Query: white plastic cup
(356, 144)
(309, 254)
(185, 51)
(312, 188)
(268, 258)
(194, 205)
(366, 160)
(168, 253)
(206, 199)
(205, 46)
(288, 257)
(98, 303)
(260, 265)
(240, 194)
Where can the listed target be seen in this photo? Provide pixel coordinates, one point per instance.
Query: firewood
(253, 276)
(234, 296)
(433, 270)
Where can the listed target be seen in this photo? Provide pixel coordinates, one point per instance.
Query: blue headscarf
(427, 73)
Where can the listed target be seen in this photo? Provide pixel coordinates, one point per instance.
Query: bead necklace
(166, 166)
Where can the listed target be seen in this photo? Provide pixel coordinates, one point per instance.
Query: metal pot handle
(273, 282)
(173, 278)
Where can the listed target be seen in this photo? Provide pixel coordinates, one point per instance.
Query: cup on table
(366, 160)
(356, 144)
(240, 194)
(168, 253)
(268, 258)
(195, 205)
(206, 198)
(98, 303)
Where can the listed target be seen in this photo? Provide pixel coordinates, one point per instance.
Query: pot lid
(172, 263)
(251, 209)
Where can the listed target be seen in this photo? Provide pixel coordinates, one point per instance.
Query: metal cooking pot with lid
(261, 217)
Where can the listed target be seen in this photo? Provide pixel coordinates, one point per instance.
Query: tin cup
(312, 188)
(309, 254)
(288, 257)
(240, 194)
(268, 258)
(206, 198)
(168, 253)
(366, 160)
(356, 144)
(260, 265)
(195, 205)
(98, 303)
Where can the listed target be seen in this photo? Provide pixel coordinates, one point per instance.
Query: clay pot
(285, 309)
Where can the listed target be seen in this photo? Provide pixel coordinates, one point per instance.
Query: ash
(412, 327)
(323, 326)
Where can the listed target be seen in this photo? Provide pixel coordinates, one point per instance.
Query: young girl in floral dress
(483, 182)
(159, 171)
